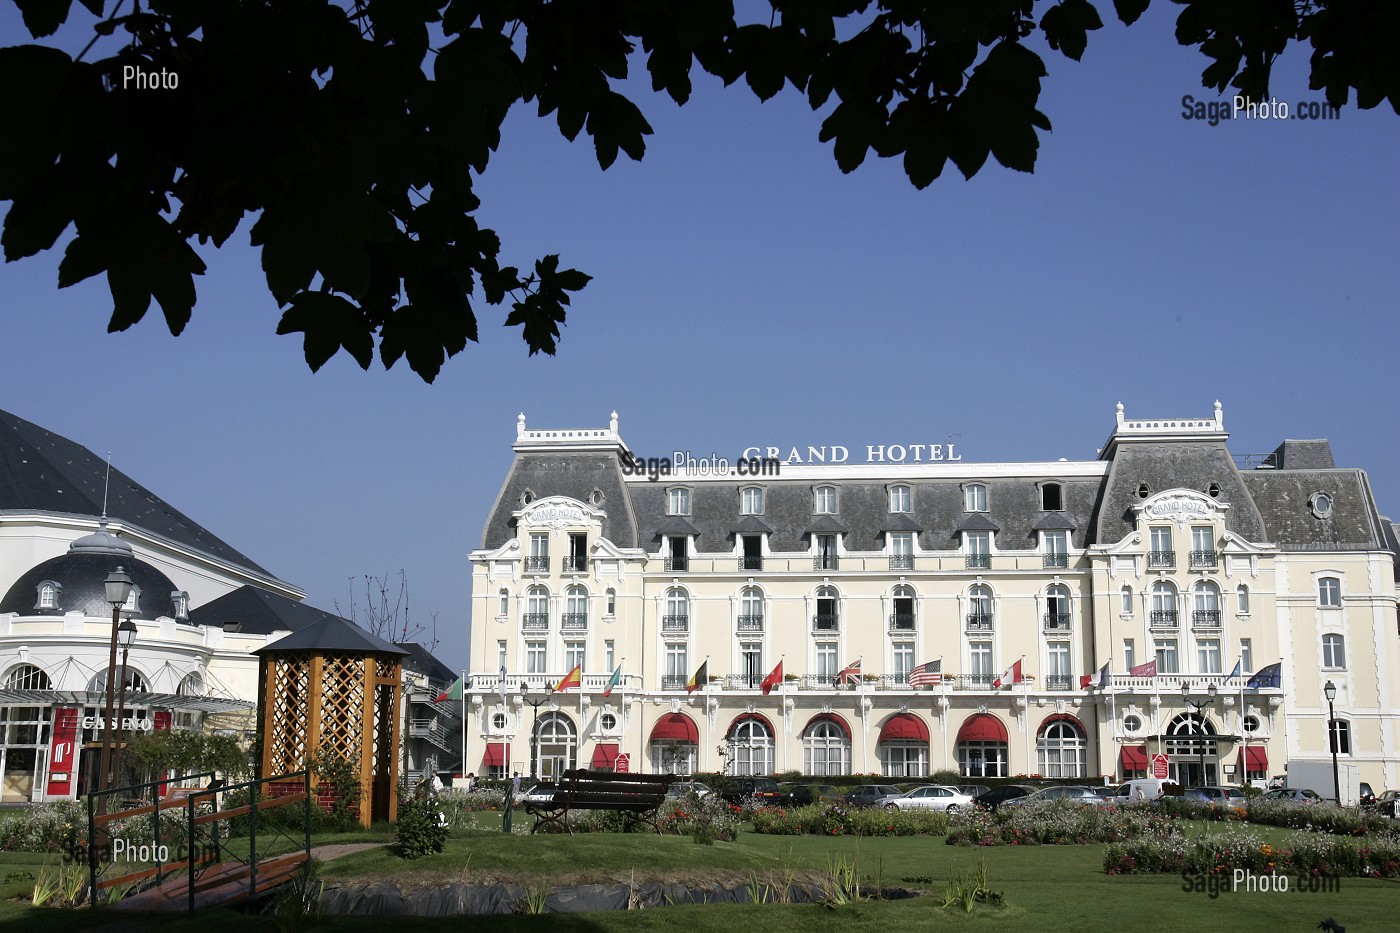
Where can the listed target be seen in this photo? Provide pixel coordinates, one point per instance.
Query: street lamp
(118, 586)
(1200, 743)
(535, 731)
(1329, 690)
(126, 633)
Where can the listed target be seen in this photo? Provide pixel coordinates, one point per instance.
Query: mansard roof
(1285, 500)
(41, 471)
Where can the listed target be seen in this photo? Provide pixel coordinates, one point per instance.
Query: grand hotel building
(1162, 559)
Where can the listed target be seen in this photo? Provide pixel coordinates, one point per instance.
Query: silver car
(928, 797)
(1073, 793)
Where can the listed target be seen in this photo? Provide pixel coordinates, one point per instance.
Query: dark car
(1388, 804)
(867, 794)
(999, 795)
(1219, 795)
(802, 795)
(762, 791)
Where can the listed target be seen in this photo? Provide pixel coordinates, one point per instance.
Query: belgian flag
(701, 677)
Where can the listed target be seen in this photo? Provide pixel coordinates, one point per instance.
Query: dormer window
(133, 600)
(48, 595)
(1321, 505)
(826, 500)
(678, 502)
(751, 501)
(975, 498)
(1051, 498)
(181, 601)
(899, 499)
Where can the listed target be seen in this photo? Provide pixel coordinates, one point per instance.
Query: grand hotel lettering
(874, 453)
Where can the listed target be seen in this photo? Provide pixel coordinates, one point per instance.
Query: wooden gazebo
(331, 685)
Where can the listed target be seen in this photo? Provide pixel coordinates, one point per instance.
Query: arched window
(612, 601)
(1242, 600)
(536, 608)
(1192, 744)
(979, 607)
(751, 747)
(1207, 609)
(751, 501)
(135, 683)
(677, 615)
(28, 677)
(825, 500)
(505, 602)
(48, 595)
(1340, 732)
(1163, 604)
(1126, 597)
(828, 608)
(678, 501)
(575, 608)
(556, 746)
(826, 749)
(903, 618)
(191, 685)
(1334, 652)
(1057, 607)
(899, 498)
(750, 609)
(1329, 592)
(1060, 750)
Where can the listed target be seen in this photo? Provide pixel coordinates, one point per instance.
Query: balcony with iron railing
(1163, 618)
(1056, 561)
(750, 562)
(1057, 621)
(979, 621)
(1059, 682)
(1204, 560)
(575, 563)
(675, 623)
(1205, 618)
(819, 682)
(538, 563)
(893, 682)
(901, 622)
(741, 681)
(535, 621)
(1161, 560)
(901, 561)
(979, 562)
(970, 681)
(750, 623)
(574, 621)
(824, 622)
(677, 564)
(826, 562)
(674, 681)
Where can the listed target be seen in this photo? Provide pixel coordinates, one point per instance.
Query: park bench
(637, 796)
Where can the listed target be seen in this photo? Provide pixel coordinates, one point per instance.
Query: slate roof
(258, 612)
(45, 472)
(1302, 455)
(81, 579)
(426, 663)
(575, 475)
(330, 635)
(1283, 497)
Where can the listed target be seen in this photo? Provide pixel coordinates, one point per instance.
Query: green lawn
(1049, 888)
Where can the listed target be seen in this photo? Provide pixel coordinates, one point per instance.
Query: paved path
(336, 850)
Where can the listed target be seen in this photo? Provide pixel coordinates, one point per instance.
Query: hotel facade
(1061, 619)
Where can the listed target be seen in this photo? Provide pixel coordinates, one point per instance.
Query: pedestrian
(471, 782)
(512, 789)
(436, 784)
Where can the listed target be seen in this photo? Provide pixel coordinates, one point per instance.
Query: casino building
(1062, 619)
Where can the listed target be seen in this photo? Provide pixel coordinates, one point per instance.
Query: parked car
(1367, 797)
(681, 788)
(1293, 795)
(536, 794)
(1220, 795)
(866, 795)
(762, 791)
(972, 790)
(928, 797)
(1140, 789)
(801, 795)
(1388, 804)
(1000, 795)
(1073, 793)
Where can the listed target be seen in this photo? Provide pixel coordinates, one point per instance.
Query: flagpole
(943, 682)
(706, 665)
(1244, 736)
(1026, 696)
(1112, 714)
(462, 712)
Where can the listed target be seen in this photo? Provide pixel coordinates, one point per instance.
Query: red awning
(904, 727)
(983, 727)
(495, 755)
(1134, 757)
(754, 717)
(1254, 758)
(830, 717)
(604, 756)
(1064, 717)
(675, 727)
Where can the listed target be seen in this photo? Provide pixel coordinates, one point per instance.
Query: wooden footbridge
(225, 851)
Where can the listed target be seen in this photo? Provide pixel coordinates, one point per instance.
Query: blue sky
(745, 291)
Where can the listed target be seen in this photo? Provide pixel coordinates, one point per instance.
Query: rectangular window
(975, 498)
(980, 656)
(608, 653)
(1161, 555)
(675, 659)
(574, 654)
(500, 655)
(535, 658)
(1242, 600)
(1246, 656)
(826, 552)
(826, 500)
(899, 498)
(978, 542)
(1329, 592)
(1127, 607)
(826, 660)
(1058, 656)
(751, 662)
(578, 553)
(1166, 655)
(1334, 656)
(902, 550)
(1051, 499)
(677, 553)
(751, 501)
(1208, 656)
(1203, 539)
(1056, 548)
(1129, 652)
(678, 501)
(903, 661)
(539, 545)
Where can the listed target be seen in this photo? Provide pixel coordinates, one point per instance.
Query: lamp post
(1200, 743)
(126, 633)
(535, 731)
(118, 585)
(1329, 690)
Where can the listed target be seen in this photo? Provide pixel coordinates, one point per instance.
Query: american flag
(850, 674)
(930, 673)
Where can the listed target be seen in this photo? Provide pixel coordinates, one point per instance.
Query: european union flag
(1271, 676)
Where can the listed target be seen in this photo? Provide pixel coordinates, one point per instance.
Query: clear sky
(745, 291)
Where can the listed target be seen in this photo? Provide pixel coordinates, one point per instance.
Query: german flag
(701, 677)
(571, 680)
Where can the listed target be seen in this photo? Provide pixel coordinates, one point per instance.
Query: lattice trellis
(342, 706)
(289, 690)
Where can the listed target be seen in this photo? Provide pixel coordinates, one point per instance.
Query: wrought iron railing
(1057, 621)
(826, 562)
(674, 681)
(892, 682)
(675, 623)
(824, 622)
(1163, 618)
(1204, 560)
(1056, 560)
(1161, 560)
(750, 623)
(1058, 682)
(575, 563)
(535, 621)
(979, 621)
(970, 681)
(1205, 618)
(537, 564)
(979, 561)
(901, 622)
(678, 564)
(751, 562)
(574, 620)
(901, 561)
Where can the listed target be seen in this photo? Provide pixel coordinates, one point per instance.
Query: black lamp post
(535, 731)
(126, 633)
(1329, 690)
(118, 585)
(1200, 743)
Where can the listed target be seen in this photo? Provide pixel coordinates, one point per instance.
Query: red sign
(63, 752)
(1159, 766)
(623, 764)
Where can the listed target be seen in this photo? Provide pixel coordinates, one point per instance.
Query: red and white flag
(930, 673)
(772, 680)
(1012, 675)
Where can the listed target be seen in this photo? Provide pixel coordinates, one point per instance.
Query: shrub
(418, 831)
(836, 820)
(1054, 823)
(48, 827)
(1301, 853)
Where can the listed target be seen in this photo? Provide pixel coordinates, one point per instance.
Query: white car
(538, 795)
(681, 788)
(928, 797)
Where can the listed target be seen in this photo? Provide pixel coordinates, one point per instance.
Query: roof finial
(105, 483)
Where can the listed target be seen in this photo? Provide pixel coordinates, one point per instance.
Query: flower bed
(1055, 823)
(838, 820)
(1302, 853)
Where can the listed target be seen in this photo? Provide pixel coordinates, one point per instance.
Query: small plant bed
(1237, 847)
(1054, 823)
(839, 820)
